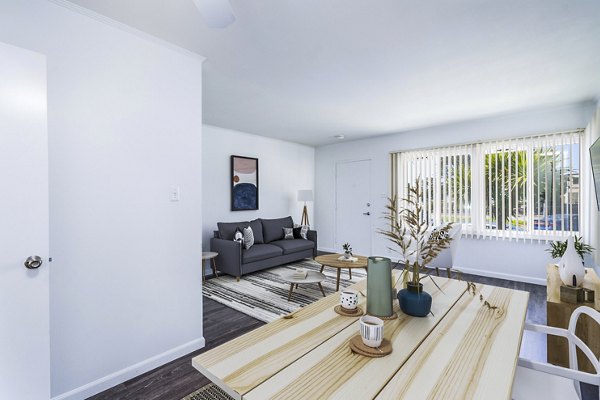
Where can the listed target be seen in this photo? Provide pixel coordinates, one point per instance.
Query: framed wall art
(244, 183)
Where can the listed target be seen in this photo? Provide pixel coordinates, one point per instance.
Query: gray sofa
(269, 250)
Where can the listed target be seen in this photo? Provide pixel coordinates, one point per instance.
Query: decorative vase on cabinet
(570, 266)
(379, 287)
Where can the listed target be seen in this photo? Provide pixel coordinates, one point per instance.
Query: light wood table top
(331, 260)
(464, 350)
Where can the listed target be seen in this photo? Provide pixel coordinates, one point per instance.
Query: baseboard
(327, 249)
(99, 385)
(482, 272)
(500, 275)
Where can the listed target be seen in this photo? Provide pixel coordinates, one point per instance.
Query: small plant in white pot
(347, 251)
(571, 253)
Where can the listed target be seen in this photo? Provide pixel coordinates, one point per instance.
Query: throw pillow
(301, 232)
(288, 233)
(238, 236)
(248, 238)
(257, 231)
(437, 235)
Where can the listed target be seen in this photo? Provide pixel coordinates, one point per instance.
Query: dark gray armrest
(229, 259)
(312, 235)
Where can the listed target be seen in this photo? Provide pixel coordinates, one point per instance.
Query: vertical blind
(522, 188)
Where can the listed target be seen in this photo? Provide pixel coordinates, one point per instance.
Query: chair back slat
(575, 342)
(595, 315)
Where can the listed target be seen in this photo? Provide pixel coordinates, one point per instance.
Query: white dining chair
(537, 380)
(447, 257)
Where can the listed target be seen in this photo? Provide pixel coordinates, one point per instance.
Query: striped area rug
(263, 294)
(208, 392)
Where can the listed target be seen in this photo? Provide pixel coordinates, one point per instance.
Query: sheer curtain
(590, 229)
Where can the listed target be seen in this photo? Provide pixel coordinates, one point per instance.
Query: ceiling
(308, 70)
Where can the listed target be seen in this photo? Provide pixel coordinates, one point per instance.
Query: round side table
(209, 255)
(332, 260)
(311, 277)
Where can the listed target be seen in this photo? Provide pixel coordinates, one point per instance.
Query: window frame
(474, 222)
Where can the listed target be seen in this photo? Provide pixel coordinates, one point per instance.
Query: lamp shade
(305, 195)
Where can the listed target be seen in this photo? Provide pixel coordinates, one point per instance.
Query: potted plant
(571, 253)
(557, 249)
(410, 233)
(347, 251)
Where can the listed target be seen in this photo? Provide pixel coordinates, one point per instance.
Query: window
(516, 188)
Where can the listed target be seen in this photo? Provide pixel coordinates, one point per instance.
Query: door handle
(33, 262)
(367, 213)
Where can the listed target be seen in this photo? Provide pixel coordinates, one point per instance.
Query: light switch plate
(174, 194)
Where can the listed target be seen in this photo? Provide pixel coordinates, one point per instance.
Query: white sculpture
(571, 265)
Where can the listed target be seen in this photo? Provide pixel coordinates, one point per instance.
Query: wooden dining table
(462, 350)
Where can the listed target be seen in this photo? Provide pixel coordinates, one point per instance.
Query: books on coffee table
(300, 273)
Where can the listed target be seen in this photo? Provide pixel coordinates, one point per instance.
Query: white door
(24, 295)
(353, 206)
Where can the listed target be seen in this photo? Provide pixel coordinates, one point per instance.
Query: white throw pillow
(238, 237)
(302, 230)
(438, 234)
(288, 233)
(248, 238)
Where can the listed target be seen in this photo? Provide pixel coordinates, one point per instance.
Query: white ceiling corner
(308, 70)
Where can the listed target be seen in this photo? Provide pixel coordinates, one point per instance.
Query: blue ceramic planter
(414, 301)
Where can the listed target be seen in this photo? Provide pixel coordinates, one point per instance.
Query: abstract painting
(244, 183)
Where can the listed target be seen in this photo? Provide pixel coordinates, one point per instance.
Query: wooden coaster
(393, 316)
(358, 312)
(357, 346)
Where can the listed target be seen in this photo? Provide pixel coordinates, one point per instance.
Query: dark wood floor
(178, 378)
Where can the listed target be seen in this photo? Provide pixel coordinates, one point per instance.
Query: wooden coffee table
(331, 260)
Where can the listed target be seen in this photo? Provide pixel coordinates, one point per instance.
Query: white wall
(521, 261)
(283, 167)
(124, 125)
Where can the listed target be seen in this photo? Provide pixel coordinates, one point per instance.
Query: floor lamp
(305, 195)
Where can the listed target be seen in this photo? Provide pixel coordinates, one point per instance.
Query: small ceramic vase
(379, 287)
(570, 266)
(414, 300)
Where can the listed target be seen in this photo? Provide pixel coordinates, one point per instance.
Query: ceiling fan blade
(216, 13)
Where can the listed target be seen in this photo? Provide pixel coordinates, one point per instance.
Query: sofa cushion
(273, 228)
(261, 252)
(293, 245)
(227, 229)
(257, 229)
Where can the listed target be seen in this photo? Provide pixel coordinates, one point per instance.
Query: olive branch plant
(409, 232)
